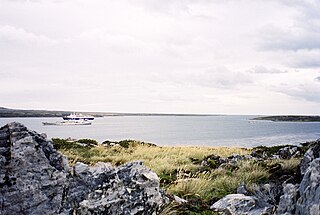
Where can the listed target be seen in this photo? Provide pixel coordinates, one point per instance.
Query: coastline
(20, 113)
(289, 118)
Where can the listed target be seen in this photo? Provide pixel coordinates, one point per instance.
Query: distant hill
(290, 118)
(7, 112)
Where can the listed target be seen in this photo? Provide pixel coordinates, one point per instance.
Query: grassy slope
(179, 168)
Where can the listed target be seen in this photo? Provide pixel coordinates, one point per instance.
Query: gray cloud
(298, 41)
(303, 58)
(265, 70)
(310, 8)
(317, 78)
(292, 38)
(307, 63)
(303, 88)
(220, 78)
(304, 94)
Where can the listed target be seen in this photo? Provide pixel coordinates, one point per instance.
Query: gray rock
(212, 161)
(234, 159)
(309, 189)
(265, 194)
(134, 190)
(80, 168)
(288, 152)
(242, 189)
(33, 175)
(309, 156)
(239, 204)
(36, 179)
(288, 200)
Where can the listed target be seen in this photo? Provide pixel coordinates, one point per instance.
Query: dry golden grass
(158, 159)
(179, 168)
(290, 164)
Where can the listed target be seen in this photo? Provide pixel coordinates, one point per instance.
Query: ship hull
(78, 118)
(66, 123)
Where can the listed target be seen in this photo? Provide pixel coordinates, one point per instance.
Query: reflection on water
(182, 130)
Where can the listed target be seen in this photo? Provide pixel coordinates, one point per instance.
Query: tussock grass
(159, 159)
(179, 169)
(288, 164)
(219, 182)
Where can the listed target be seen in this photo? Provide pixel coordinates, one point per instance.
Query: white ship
(78, 116)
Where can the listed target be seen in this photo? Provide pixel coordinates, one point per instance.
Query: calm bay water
(182, 130)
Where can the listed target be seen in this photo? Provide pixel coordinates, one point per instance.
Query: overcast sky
(165, 56)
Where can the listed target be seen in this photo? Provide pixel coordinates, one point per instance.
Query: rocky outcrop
(309, 156)
(287, 203)
(288, 152)
(32, 174)
(309, 188)
(261, 153)
(129, 189)
(36, 179)
(278, 196)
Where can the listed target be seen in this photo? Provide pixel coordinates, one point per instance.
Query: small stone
(179, 200)
(151, 176)
(80, 168)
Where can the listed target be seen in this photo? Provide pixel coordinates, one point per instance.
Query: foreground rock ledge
(36, 179)
(302, 198)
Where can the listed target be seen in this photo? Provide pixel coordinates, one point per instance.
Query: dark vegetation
(6, 112)
(127, 143)
(289, 118)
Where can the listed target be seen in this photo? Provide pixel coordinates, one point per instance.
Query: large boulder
(304, 198)
(36, 179)
(129, 189)
(312, 153)
(309, 189)
(240, 204)
(287, 203)
(33, 176)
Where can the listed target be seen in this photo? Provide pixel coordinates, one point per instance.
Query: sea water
(182, 130)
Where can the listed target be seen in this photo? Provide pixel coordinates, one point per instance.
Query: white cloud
(160, 56)
(10, 34)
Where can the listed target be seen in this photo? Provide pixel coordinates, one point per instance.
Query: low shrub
(88, 141)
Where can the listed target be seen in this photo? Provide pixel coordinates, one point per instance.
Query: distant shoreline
(20, 113)
(289, 118)
(17, 113)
